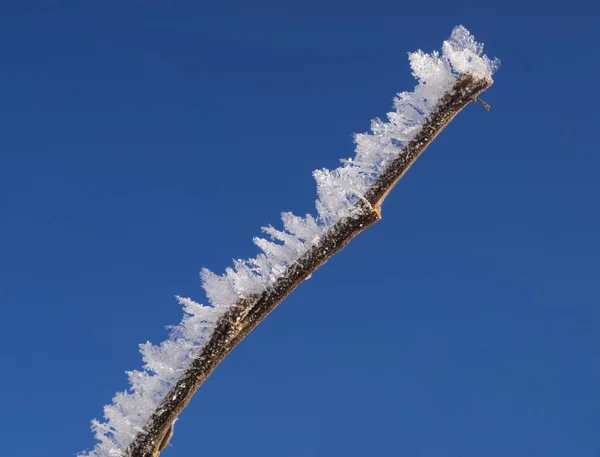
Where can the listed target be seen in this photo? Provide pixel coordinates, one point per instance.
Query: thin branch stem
(247, 313)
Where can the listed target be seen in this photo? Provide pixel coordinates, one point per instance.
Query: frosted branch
(139, 421)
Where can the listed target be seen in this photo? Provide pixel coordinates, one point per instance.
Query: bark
(247, 313)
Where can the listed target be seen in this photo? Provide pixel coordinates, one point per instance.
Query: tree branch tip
(485, 105)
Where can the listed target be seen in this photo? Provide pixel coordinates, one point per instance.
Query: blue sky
(142, 141)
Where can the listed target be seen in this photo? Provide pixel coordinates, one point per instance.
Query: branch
(245, 314)
(139, 422)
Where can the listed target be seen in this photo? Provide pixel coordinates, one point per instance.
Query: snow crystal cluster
(338, 191)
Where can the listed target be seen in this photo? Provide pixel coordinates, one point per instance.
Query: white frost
(338, 191)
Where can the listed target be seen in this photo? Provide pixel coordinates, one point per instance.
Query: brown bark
(247, 313)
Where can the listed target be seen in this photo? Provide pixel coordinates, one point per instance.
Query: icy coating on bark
(338, 190)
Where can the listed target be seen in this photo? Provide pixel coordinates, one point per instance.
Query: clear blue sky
(143, 140)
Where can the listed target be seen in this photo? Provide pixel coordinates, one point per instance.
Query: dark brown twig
(247, 313)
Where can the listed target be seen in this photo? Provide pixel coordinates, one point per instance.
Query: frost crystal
(338, 190)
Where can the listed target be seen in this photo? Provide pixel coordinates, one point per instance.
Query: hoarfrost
(338, 191)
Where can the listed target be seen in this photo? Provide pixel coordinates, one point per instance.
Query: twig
(485, 105)
(249, 312)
